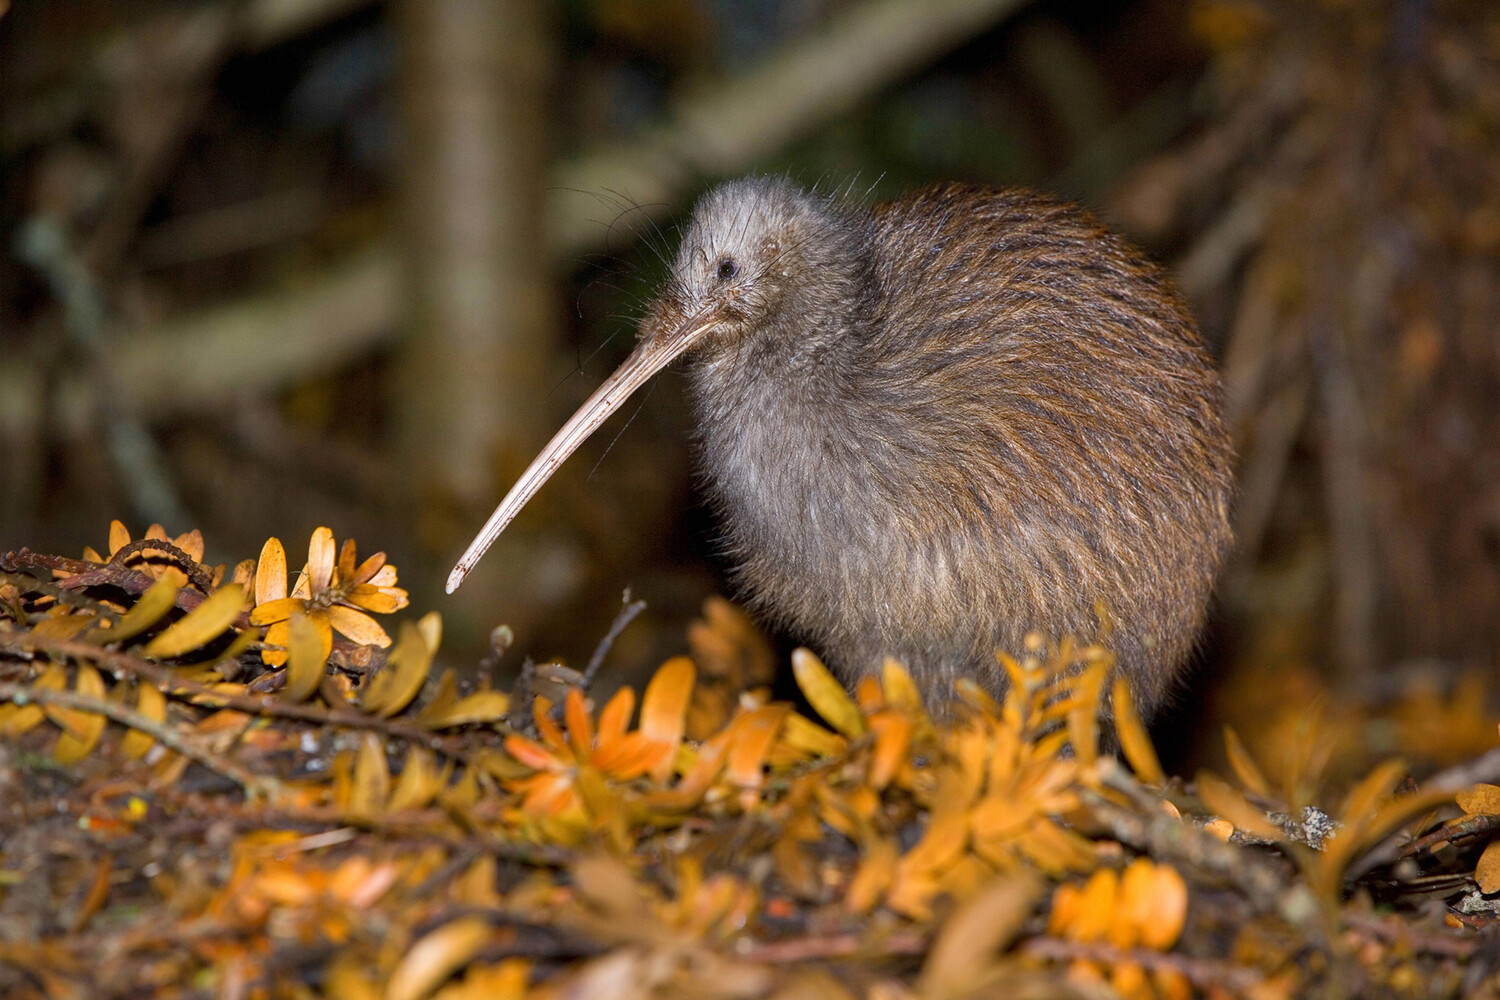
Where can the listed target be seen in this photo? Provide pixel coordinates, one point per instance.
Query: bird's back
(1026, 428)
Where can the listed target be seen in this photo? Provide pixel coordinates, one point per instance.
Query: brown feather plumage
(934, 425)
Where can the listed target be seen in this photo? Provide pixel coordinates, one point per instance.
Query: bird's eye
(728, 269)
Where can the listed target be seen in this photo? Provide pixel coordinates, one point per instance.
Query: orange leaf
(1487, 874)
(666, 700)
(531, 753)
(972, 694)
(306, 659)
(1067, 903)
(1055, 849)
(153, 705)
(1230, 804)
(1481, 800)
(481, 706)
(630, 757)
(580, 726)
(546, 726)
(900, 690)
(346, 560)
(365, 571)
(436, 957)
(750, 742)
(1168, 909)
(419, 783)
(191, 542)
(278, 610)
(205, 622)
(868, 695)
(964, 950)
(27, 717)
(406, 669)
(615, 718)
(826, 695)
(1128, 980)
(270, 573)
(805, 736)
(81, 730)
(119, 537)
(279, 634)
(358, 626)
(697, 779)
(148, 609)
(877, 867)
(1171, 984)
(1134, 742)
(1364, 798)
(1097, 907)
(372, 598)
(1137, 903)
(892, 731)
(1244, 765)
(372, 779)
(320, 560)
(430, 627)
(944, 839)
(664, 709)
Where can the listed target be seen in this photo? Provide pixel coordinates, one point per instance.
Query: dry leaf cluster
(216, 784)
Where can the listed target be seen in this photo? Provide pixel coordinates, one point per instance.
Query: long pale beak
(650, 356)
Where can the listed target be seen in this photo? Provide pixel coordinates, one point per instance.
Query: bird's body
(934, 425)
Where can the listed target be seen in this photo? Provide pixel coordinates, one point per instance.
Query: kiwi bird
(933, 425)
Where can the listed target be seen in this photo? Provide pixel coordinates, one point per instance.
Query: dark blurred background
(271, 264)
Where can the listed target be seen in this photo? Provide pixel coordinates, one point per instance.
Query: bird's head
(761, 262)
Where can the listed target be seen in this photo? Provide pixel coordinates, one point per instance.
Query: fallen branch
(253, 784)
(1203, 973)
(171, 683)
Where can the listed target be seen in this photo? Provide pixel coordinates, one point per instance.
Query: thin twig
(1164, 836)
(849, 945)
(1482, 769)
(168, 681)
(1203, 973)
(195, 571)
(26, 583)
(627, 615)
(168, 737)
(421, 825)
(83, 574)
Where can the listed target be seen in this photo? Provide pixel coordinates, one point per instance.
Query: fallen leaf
(429, 962)
(826, 695)
(204, 623)
(967, 943)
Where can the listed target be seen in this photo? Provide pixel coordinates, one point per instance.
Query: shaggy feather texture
(933, 425)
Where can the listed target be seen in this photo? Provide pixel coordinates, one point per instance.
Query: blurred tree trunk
(475, 80)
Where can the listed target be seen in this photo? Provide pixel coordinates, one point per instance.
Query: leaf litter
(231, 784)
